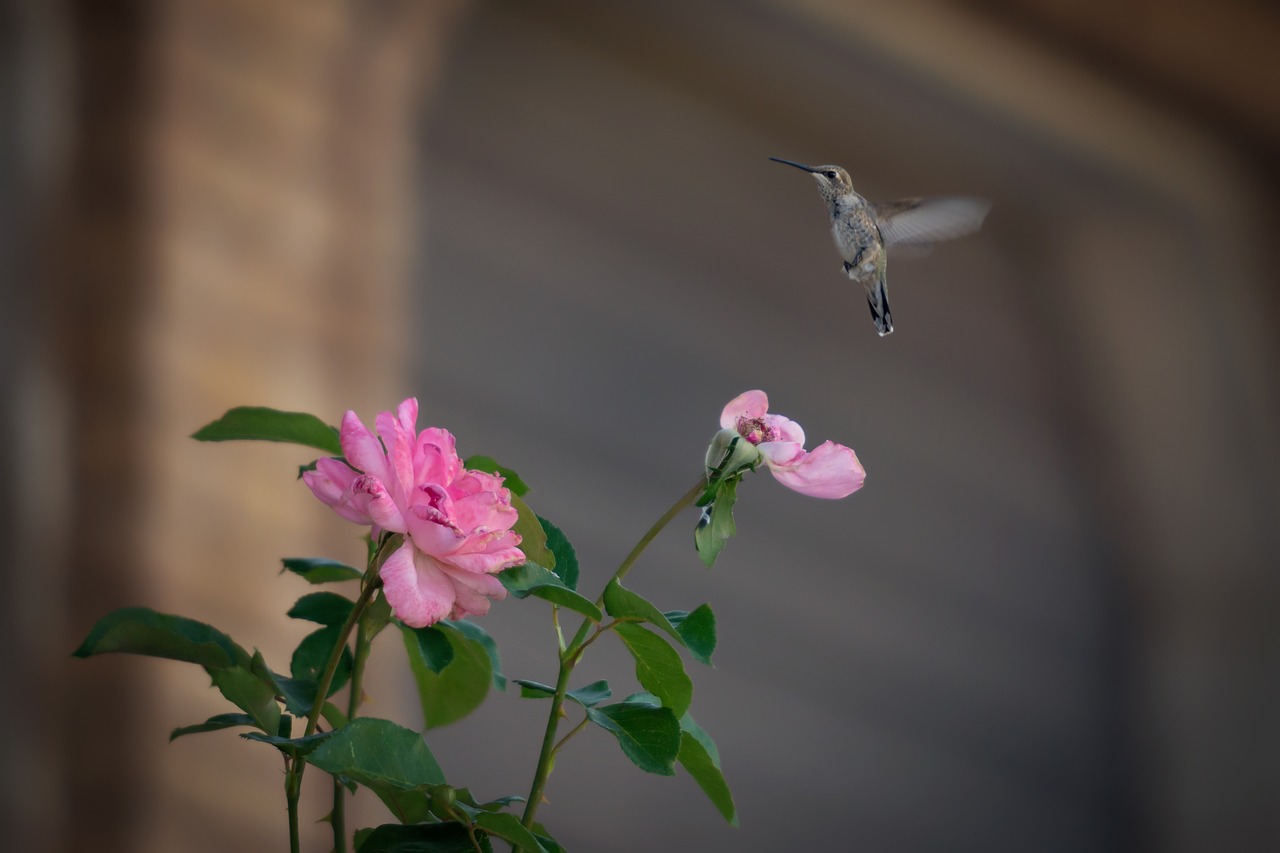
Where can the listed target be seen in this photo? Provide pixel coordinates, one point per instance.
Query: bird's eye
(831, 175)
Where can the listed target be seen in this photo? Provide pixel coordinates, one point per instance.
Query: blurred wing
(922, 221)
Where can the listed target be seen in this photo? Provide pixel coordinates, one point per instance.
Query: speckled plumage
(862, 230)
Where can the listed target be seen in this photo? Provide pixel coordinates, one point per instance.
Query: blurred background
(1049, 621)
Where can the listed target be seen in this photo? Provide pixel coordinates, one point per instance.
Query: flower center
(755, 430)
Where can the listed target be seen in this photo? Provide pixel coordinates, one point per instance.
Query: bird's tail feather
(878, 300)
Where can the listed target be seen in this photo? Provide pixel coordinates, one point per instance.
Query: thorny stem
(293, 778)
(570, 656)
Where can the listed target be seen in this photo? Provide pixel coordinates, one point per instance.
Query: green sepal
(213, 724)
(648, 735)
(716, 525)
(256, 423)
(697, 629)
(533, 579)
(566, 562)
(701, 760)
(658, 667)
(325, 608)
(488, 464)
(143, 631)
(319, 570)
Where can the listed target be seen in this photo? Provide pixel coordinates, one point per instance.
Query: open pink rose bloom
(457, 523)
(828, 471)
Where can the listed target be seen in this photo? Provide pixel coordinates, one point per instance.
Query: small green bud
(729, 453)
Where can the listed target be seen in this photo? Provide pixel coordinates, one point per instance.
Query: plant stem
(292, 787)
(570, 656)
(338, 816)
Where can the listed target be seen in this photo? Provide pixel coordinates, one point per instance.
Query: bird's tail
(878, 299)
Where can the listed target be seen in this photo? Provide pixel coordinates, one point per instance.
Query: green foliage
(326, 608)
(318, 570)
(700, 758)
(433, 646)
(378, 754)
(293, 747)
(508, 826)
(533, 539)
(588, 697)
(460, 687)
(566, 562)
(250, 694)
(256, 423)
(311, 656)
(511, 479)
(533, 579)
(622, 603)
(658, 667)
(143, 631)
(697, 629)
(716, 526)
(449, 837)
(648, 735)
(476, 634)
(213, 724)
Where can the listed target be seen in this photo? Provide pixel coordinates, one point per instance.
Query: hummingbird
(863, 229)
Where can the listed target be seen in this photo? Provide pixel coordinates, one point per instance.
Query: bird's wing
(922, 221)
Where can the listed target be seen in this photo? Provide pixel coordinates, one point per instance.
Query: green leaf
(658, 667)
(378, 754)
(534, 689)
(591, 695)
(294, 747)
(716, 526)
(319, 570)
(700, 758)
(327, 608)
(511, 479)
(476, 634)
(622, 603)
(255, 423)
(459, 688)
(697, 630)
(433, 646)
(376, 616)
(649, 736)
(533, 539)
(213, 724)
(566, 564)
(449, 837)
(508, 826)
(312, 655)
(533, 579)
(142, 631)
(250, 694)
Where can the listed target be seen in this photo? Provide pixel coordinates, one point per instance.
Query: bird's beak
(793, 163)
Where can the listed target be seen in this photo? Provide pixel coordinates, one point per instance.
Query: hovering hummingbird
(862, 229)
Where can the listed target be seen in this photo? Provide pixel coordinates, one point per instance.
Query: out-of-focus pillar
(237, 229)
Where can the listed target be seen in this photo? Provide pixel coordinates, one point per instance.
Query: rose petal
(473, 592)
(830, 471)
(362, 447)
(419, 592)
(784, 429)
(749, 404)
(781, 454)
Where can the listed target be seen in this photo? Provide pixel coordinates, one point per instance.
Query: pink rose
(457, 523)
(828, 471)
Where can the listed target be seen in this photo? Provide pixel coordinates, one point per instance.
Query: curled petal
(435, 456)
(371, 496)
(493, 559)
(781, 454)
(419, 592)
(362, 448)
(830, 471)
(784, 429)
(749, 405)
(435, 537)
(397, 432)
(473, 592)
(331, 482)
